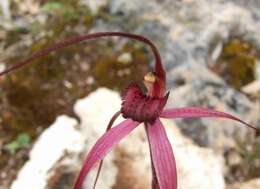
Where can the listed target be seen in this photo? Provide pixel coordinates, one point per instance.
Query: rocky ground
(211, 53)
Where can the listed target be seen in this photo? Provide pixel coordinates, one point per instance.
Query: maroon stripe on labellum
(140, 107)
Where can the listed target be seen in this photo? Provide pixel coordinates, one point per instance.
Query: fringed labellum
(140, 107)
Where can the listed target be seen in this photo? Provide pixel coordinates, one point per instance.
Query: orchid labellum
(138, 107)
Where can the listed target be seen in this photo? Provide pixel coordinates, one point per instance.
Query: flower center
(141, 107)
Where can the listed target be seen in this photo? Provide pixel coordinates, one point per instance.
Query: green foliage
(69, 11)
(52, 6)
(237, 63)
(21, 141)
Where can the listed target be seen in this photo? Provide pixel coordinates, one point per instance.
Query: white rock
(2, 66)
(251, 184)
(185, 31)
(208, 90)
(125, 58)
(197, 167)
(252, 88)
(5, 8)
(95, 5)
(60, 139)
(95, 112)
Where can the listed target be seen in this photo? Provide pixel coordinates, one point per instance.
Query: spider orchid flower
(138, 107)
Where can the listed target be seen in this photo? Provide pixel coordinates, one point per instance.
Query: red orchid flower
(138, 107)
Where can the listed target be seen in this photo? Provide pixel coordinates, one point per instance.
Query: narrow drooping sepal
(140, 107)
(162, 157)
(197, 112)
(155, 184)
(77, 39)
(109, 126)
(103, 146)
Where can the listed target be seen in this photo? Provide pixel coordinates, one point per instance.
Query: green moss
(112, 73)
(34, 96)
(237, 63)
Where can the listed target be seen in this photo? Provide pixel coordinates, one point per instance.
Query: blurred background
(211, 52)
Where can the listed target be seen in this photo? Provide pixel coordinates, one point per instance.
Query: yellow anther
(150, 77)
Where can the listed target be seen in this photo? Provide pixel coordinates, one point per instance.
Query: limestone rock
(185, 31)
(200, 87)
(5, 8)
(252, 88)
(95, 5)
(53, 156)
(252, 184)
(95, 112)
(197, 167)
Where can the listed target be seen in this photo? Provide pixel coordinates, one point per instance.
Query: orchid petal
(155, 184)
(162, 157)
(102, 147)
(197, 112)
(109, 126)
